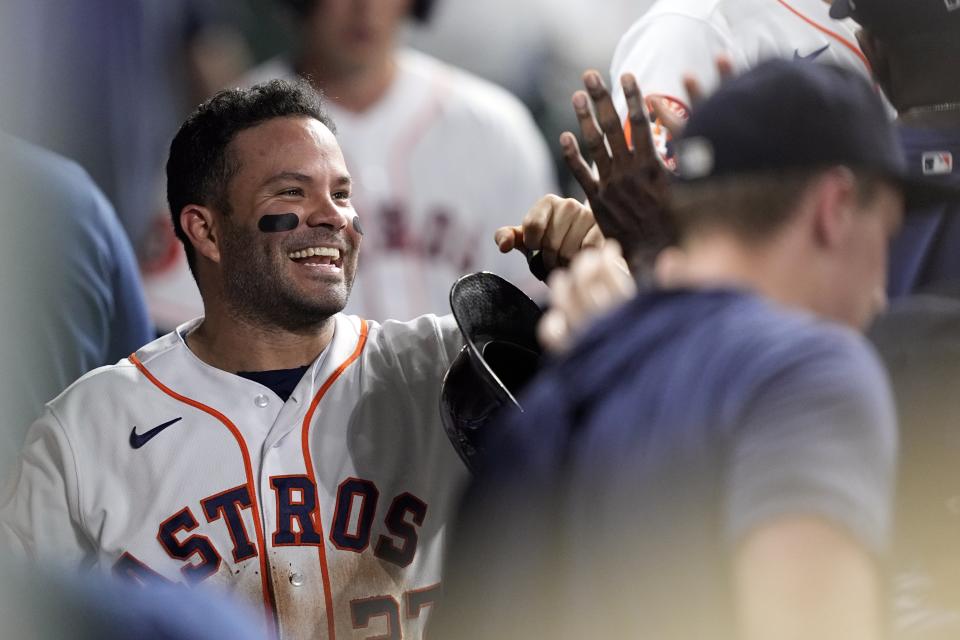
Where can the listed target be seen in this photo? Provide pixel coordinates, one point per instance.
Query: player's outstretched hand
(596, 281)
(556, 227)
(630, 190)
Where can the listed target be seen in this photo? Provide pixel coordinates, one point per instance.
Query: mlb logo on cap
(937, 162)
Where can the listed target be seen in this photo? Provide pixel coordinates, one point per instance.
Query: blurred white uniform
(439, 163)
(678, 37)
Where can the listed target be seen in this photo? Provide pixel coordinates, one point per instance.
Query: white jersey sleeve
(40, 517)
(684, 37)
(660, 49)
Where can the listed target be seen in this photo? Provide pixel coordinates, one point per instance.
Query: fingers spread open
(724, 67)
(590, 132)
(578, 166)
(640, 136)
(694, 90)
(606, 114)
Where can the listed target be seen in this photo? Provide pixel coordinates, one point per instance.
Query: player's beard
(258, 291)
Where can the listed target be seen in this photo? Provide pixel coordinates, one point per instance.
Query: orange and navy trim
(308, 461)
(248, 470)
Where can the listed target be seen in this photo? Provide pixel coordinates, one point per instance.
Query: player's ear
(199, 225)
(833, 200)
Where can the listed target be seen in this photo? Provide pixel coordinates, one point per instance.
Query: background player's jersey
(439, 163)
(678, 37)
(327, 509)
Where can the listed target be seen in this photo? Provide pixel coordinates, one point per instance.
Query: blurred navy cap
(786, 114)
(893, 17)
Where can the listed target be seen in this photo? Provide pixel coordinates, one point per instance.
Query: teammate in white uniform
(276, 448)
(684, 37)
(440, 159)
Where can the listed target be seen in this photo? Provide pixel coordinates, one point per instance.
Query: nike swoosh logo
(810, 56)
(137, 440)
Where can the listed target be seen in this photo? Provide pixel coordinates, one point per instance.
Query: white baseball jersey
(438, 164)
(326, 512)
(678, 37)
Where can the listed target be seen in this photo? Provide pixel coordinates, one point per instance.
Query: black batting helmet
(498, 323)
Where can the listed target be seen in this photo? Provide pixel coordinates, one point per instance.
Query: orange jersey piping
(251, 487)
(308, 460)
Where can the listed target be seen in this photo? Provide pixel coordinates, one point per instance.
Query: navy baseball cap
(787, 114)
(901, 17)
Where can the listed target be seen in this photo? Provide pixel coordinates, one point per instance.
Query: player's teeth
(327, 252)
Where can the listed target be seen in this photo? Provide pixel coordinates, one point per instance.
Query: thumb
(509, 238)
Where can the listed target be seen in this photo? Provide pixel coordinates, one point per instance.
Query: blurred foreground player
(275, 448)
(715, 460)
(66, 308)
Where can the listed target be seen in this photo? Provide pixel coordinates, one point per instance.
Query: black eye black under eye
(274, 222)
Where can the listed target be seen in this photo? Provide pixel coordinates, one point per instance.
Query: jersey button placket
(261, 401)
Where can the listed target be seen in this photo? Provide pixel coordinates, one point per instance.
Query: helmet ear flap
(498, 323)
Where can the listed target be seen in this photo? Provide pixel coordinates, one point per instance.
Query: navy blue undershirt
(281, 381)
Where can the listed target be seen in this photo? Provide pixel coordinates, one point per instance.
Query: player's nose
(328, 213)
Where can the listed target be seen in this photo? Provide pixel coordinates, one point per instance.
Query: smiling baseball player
(275, 448)
(404, 123)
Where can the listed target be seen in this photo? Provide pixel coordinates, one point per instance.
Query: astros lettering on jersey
(325, 511)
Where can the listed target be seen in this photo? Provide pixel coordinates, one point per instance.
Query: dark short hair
(752, 206)
(199, 168)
